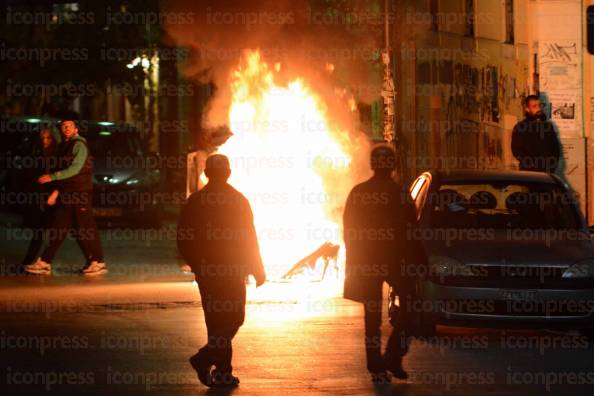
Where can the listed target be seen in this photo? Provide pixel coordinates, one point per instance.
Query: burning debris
(328, 252)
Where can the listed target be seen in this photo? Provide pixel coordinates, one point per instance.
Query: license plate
(107, 212)
(519, 295)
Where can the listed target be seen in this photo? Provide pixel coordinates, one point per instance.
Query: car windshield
(107, 142)
(503, 205)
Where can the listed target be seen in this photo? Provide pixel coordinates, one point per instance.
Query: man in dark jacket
(217, 238)
(74, 211)
(376, 217)
(534, 140)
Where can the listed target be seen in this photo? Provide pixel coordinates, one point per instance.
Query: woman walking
(41, 197)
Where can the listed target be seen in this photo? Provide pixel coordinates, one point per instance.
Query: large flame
(289, 162)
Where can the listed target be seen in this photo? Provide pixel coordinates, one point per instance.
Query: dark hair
(383, 158)
(529, 98)
(217, 167)
(74, 121)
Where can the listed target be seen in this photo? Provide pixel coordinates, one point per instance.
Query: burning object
(328, 252)
(292, 161)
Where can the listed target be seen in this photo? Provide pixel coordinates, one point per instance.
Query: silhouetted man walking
(376, 216)
(534, 140)
(216, 237)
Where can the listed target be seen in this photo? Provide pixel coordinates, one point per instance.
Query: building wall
(463, 95)
(468, 90)
(559, 49)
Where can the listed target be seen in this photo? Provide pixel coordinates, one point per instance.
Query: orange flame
(289, 161)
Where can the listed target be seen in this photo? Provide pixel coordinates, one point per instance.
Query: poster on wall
(565, 110)
(560, 84)
(559, 65)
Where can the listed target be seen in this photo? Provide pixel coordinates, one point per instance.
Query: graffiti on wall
(474, 100)
(559, 65)
(482, 94)
(560, 81)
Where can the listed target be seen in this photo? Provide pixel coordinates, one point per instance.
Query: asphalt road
(131, 333)
(292, 343)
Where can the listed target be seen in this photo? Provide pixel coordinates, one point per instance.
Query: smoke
(304, 36)
(334, 51)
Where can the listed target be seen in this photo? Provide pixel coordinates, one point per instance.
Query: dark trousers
(38, 220)
(76, 217)
(398, 341)
(224, 313)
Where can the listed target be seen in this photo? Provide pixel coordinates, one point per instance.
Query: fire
(290, 160)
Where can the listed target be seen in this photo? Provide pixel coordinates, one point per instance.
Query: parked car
(126, 178)
(507, 249)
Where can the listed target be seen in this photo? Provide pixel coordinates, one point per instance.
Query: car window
(503, 205)
(418, 193)
(416, 186)
(107, 143)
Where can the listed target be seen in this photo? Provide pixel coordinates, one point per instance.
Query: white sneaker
(95, 268)
(39, 267)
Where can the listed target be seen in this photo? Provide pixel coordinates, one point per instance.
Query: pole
(386, 26)
(388, 94)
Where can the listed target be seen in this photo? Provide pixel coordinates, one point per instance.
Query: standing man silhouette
(534, 141)
(217, 238)
(376, 216)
